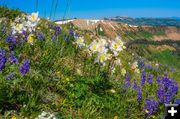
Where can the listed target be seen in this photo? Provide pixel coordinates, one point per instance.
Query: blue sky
(99, 8)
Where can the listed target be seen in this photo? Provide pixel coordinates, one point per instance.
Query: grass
(167, 57)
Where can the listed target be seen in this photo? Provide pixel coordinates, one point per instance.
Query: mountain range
(112, 28)
(169, 21)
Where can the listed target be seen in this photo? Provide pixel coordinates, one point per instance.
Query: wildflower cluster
(134, 67)
(167, 89)
(26, 23)
(24, 68)
(127, 81)
(10, 76)
(80, 42)
(150, 106)
(166, 92)
(13, 59)
(21, 30)
(57, 31)
(2, 59)
(103, 48)
(139, 94)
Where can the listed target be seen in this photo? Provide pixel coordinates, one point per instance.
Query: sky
(96, 9)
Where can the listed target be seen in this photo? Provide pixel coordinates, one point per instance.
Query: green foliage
(167, 57)
(10, 14)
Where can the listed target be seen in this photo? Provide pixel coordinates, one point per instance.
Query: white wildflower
(157, 64)
(101, 58)
(123, 72)
(46, 115)
(33, 17)
(134, 67)
(94, 46)
(117, 62)
(113, 69)
(17, 28)
(113, 91)
(137, 71)
(100, 29)
(116, 46)
(25, 23)
(32, 21)
(80, 42)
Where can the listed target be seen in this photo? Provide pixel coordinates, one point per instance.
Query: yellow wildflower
(67, 79)
(38, 28)
(13, 117)
(102, 57)
(115, 117)
(124, 47)
(30, 39)
(109, 56)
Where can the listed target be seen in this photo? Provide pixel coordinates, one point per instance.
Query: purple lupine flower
(148, 66)
(150, 106)
(57, 30)
(66, 38)
(24, 68)
(171, 68)
(165, 81)
(127, 81)
(2, 62)
(173, 88)
(167, 90)
(13, 59)
(2, 59)
(160, 94)
(76, 35)
(11, 47)
(71, 33)
(40, 36)
(150, 79)
(158, 80)
(2, 52)
(168, 98)
(165, 74)
(11, 39)
(10, 76)
(177, 101)
(3, 30)
(53, 38)
(141, 63)
(143, 78)
(134, 84)
(25, 35)
(139, 94)
(12, 42)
